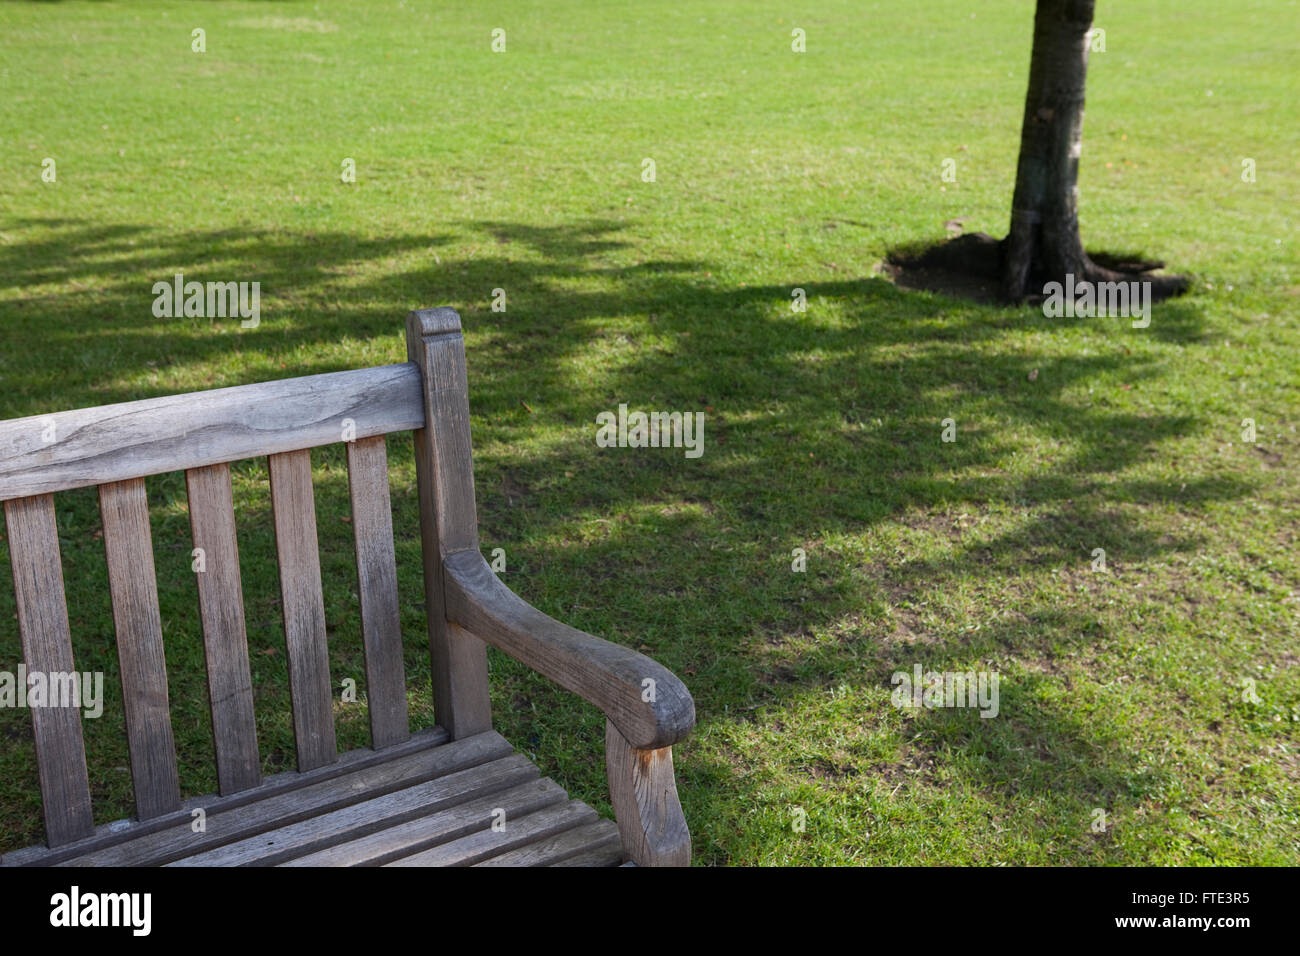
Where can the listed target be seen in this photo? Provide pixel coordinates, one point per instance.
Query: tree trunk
(1044, 236)
(1043, 243)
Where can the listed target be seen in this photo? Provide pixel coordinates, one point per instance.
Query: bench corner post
(448, 523)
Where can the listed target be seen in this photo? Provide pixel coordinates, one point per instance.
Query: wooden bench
(428, 798)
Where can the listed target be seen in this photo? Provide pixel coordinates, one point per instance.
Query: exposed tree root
(974, 266)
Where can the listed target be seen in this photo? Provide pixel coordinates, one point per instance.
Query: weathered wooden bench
(455, 794)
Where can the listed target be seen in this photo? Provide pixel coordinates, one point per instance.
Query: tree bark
(1044, 235)
(1043, 243)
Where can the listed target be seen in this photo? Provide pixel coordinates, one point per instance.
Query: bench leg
(644, 794)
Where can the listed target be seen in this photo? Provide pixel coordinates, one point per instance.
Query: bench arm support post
(643, 790)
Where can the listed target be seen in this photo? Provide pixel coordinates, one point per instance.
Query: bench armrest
(647, 709)
(646, 702)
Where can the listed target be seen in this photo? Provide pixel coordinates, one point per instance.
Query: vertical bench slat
(47, 649)
(381, 624)
(303, 607)
(225, 641)
(448, 523)
(128, 546)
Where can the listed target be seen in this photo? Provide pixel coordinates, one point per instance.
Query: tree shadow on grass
(822, 433)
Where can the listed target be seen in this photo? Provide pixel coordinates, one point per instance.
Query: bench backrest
(115, 447)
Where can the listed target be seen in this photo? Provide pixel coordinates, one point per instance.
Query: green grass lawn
(1123, 691)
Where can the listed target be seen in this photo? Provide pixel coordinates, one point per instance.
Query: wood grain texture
(601, 854)
(381, 622)
(133, 585)
(124, 831)
(486, 843)
(441, 359)
(94, 446)
(612, 677)
(302, 606)
(47, 650)
(453, 823)
(601, 837)
(448, 522)
(225, 641)
(644, 794)
(225, 826)
(362, 819)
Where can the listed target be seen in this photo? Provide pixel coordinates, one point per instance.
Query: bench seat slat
(124, 831)
(222, 827)
(603, 853)
(441, 828)
(225, 640)
(487, 843)
(381, 623)
(96, 446)
(303, 607)
(128, 546)
(599, 844)
(47, 650)
(359, 820)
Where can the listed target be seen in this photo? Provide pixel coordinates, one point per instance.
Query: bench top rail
(95, 446)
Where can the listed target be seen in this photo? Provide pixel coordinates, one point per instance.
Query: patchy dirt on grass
(970, 267)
